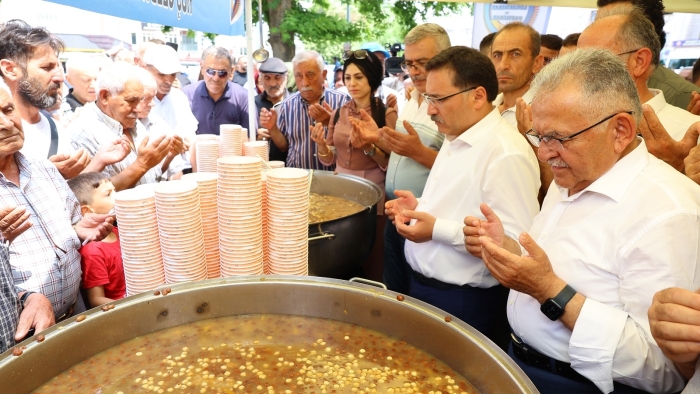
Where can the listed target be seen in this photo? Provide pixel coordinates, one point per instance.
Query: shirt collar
(205, 93)
(109, 122)
(658, 102)
(615, 182)
(527, 97)
(481, 129)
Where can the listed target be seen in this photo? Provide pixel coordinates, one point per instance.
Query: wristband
(24, 297)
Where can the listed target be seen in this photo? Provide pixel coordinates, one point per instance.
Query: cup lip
(239, 161)
(201, 177)
(134, 195)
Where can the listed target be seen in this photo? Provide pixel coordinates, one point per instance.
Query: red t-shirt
(102, 266)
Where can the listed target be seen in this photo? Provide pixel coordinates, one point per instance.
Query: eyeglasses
(437, 101)
(418, 66)
(628, 52)
(556, 144)
(222, 73)
(358, 54)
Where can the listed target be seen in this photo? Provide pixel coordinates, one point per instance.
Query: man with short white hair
(171, 104)
(631, 36)
(81, 74)
(616, 226)
(311, 104)
(119, 92)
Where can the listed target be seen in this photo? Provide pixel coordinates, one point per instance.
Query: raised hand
(151, 153)
(365, 127)
(420, 231)
(392, 102)
(13, 222)
(113, 152)
(72, 165)
(318, 134)
(268, 119)
(476, 228)
(523, 115)
(405, 201)
(694, 106)
(94, 227)
(321, 113)
(660, 144)
(408, 145)
(692, 164)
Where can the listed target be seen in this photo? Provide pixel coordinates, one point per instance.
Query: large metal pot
(338, 247)
(458, 345)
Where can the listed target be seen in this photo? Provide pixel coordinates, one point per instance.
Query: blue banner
(209, 16)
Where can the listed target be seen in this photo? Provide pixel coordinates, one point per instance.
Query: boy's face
(103, 198)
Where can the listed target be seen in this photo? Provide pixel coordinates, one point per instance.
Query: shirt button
(543, 237)
(347, 163)
(349, 150)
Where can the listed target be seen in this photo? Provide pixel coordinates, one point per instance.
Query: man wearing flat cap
(273, 74)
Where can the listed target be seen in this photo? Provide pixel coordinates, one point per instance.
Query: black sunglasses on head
(222, 73)
(358, 54)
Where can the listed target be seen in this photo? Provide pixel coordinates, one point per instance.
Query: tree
(321, 24)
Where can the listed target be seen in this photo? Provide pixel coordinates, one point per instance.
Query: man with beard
(515, 53)
(240, 74)
(30, 67)
(171, 104)
(273, 74)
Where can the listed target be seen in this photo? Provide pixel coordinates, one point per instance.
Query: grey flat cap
(273, 65)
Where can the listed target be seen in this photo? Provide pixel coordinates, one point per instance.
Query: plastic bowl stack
(139, 240)
(210, 219)
(240, 216)
(288, 221)
(180, 227)
(207, 155)
(257, 148)
(231, 140)
(266, 250)
(275, 164)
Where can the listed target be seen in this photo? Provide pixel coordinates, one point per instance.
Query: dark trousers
(483, 309)
(550, 383)
(397, 272)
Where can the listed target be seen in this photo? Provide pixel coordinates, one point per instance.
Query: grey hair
(114, 77)
(149, 83)
(81, 63)
(614, 9)
(217, 53)
(600, 77)
(309, 55)
(429, 30)
(636, 31)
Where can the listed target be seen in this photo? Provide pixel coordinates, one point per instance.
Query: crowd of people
(543, 190)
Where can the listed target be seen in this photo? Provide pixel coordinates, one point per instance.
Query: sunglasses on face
(358, 54)
(222, 73)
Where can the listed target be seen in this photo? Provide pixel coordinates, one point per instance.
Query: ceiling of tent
(671, 5)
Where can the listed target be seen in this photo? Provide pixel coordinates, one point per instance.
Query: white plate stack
(275, 164)
(207, 155)
(210, 219)
(180, 227)
(139, 240)
(240, 216)
(231, 142)
(288, 221)
(257, 148)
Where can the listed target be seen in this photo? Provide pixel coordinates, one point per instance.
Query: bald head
(81, 74)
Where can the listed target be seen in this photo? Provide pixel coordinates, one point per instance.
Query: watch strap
(24, 297)
(564, 296)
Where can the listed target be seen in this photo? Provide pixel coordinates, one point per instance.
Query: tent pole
(252, 113)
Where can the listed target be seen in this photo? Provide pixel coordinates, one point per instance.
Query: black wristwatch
(24, 297)
(553, 308)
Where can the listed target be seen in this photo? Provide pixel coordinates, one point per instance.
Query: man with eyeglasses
(216, 100)
(483, 159)
(617, 226)
(171, 104)
(628, 34)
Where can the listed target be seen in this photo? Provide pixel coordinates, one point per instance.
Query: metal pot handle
(321, 235)
(368, 282)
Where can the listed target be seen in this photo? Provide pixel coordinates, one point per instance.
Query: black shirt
(261, 101)
(240, 78)
(73, 101)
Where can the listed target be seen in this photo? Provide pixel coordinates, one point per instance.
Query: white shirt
(509, 114)
(632, 232)
(175, 110)
(37, 139)
(491, 163)
(675, 120)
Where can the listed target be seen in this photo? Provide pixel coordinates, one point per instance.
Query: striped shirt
(404, 173)
(93, 128)
(293, 121)
(45, 258)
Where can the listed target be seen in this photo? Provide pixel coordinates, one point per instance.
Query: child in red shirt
(103, 270)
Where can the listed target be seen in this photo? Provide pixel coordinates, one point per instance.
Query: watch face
(551, 310)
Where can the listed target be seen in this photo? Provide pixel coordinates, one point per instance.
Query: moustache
(419, 78)
(557, 163)
(506, 74)
(437, 119)
(307, 89)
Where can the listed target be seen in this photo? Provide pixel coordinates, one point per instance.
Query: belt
(432, 282)
(536, 359)
(66, 315)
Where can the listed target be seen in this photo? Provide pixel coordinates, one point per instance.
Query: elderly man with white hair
(114, 114)
(81, 74)
(311, 104)
(617, 225)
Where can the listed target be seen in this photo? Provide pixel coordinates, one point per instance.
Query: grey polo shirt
(404, 173)
(676, 89)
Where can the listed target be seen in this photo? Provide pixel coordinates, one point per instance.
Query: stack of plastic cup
(207, 182)
(139, 240)
(180, 227)
(240, 216)
(207, 155)
(288, 220)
